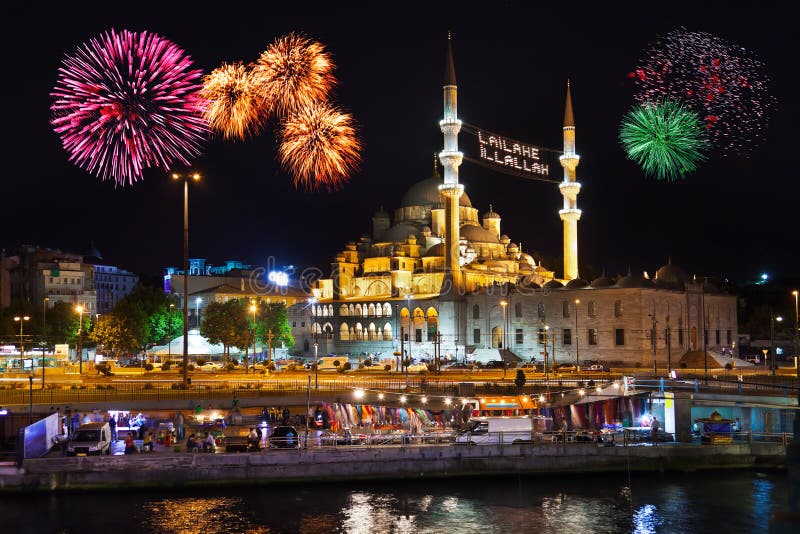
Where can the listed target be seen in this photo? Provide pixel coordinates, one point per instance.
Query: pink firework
(127, 101)
(725, 84)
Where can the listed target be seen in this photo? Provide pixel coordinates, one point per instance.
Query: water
(726, 502)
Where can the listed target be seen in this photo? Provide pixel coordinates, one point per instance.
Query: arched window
(373, 334)
(387, 332)
(358, 310)
(343, 310)
(344, 332)
(476, 312)
(359, 331)
(378, 310)
(371, 310)
(433, 323)
(330, 310)
(387, 309)
(518, 310)
(565, 308)
(327, 329)
(540, 310)
(618, 308)
(352, 310)
(592, 309)
(497, 337)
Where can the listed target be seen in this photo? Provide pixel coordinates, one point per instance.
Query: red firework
(126, 101)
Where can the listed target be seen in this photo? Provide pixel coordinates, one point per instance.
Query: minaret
(451, 190)
(570, 188)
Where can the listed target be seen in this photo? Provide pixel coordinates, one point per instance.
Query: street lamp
(44, 315)
(197, 302)
(577, 336)
(169, 350)
(504, 305)
(796, 337)
(772, 320)
(21, 320)
(186, 177)
(253, 309)
(79, 346)
(316, 364)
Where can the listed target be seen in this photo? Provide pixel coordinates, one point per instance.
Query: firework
(665, 138)
(724, 83)
(294, 72)
(127, 101)
(233, 107)
(319, 147)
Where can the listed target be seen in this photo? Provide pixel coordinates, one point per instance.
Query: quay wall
(174, 470)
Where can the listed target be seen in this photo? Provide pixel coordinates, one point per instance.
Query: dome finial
(435, 166)
(569, 119)
(450, 69)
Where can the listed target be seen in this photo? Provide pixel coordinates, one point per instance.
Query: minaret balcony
(451, 158)
(569, 161)
(570, 189)
(451, 189)
(450, 126)
(570, 214)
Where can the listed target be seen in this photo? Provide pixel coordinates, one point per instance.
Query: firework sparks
(724, 83)
(233, 107)
(294, 72)
(665, 138)
(128, 101)
(319, 147)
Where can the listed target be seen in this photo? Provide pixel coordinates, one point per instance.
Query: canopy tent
(198, 346)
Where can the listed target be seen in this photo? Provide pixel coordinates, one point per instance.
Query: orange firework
(294, 72)
(319, 147)
(234, 108)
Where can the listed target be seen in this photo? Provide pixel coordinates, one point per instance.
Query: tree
(116, 334)
(226, 323)
(272, 317)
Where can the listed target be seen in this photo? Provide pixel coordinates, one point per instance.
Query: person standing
(180, 422)
(654, 425)
(112, 422)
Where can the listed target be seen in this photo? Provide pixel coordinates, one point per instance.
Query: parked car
(495, 364)
(284, 437)
(457, 366)
(90, 439)
(566, 368)
(210, 366)
(529, 366)
(417, 367)
(598, 368)
(258, 366)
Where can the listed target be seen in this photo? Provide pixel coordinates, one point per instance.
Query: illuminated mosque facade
(439, 275)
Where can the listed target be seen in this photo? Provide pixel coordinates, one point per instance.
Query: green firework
(665, 138)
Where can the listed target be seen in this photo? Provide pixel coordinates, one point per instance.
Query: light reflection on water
(701, 502)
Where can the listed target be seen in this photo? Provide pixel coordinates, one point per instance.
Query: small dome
(528, 282)
(491, 214)
(671, 276)
(603, 281)
(437, 250)
(426, 193)
(553, 284)
(527, 258)
(399, 233)
(577, 283)
(634, 281)
(504, 239)
(477, 234)
(412, 239)
(513, 248)
(525, 266)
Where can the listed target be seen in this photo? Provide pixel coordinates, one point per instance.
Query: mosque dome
(491, 214)
(527, 258)
(527, 282)
(477, 234)
(437, 250)
(603, 281)
(553, 284)
(577, 283)
(671, 276)
(634, 281)
(504, 239)
(426, 193)
(399, 233)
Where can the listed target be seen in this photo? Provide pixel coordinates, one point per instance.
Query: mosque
(438, 277)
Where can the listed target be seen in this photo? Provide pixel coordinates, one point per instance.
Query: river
(720, 501)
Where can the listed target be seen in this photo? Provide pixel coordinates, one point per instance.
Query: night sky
(734, 217)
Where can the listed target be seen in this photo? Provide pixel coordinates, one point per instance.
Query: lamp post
(186, 177)
(44, 315)
(772, 319)
(577, 336)
(30, 398)
(546, 372)
(654, 341)
(504, 305)
(21, 320)
(796, 338)
(169, 333)
(316, 364)
(253, 309)
(197, 302)
(79, 344)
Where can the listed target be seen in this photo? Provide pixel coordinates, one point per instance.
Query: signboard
(509, 156)
(61, 349)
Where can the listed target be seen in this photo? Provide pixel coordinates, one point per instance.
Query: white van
(331, 363)
(89, 440)
(497, 429)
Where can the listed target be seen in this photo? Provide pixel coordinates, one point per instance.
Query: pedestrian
(147, 445)
(253, 440)
(654, 429)
(130, 444)
(191, 444)
(209, 444)
(180, 421)
(112, 422)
